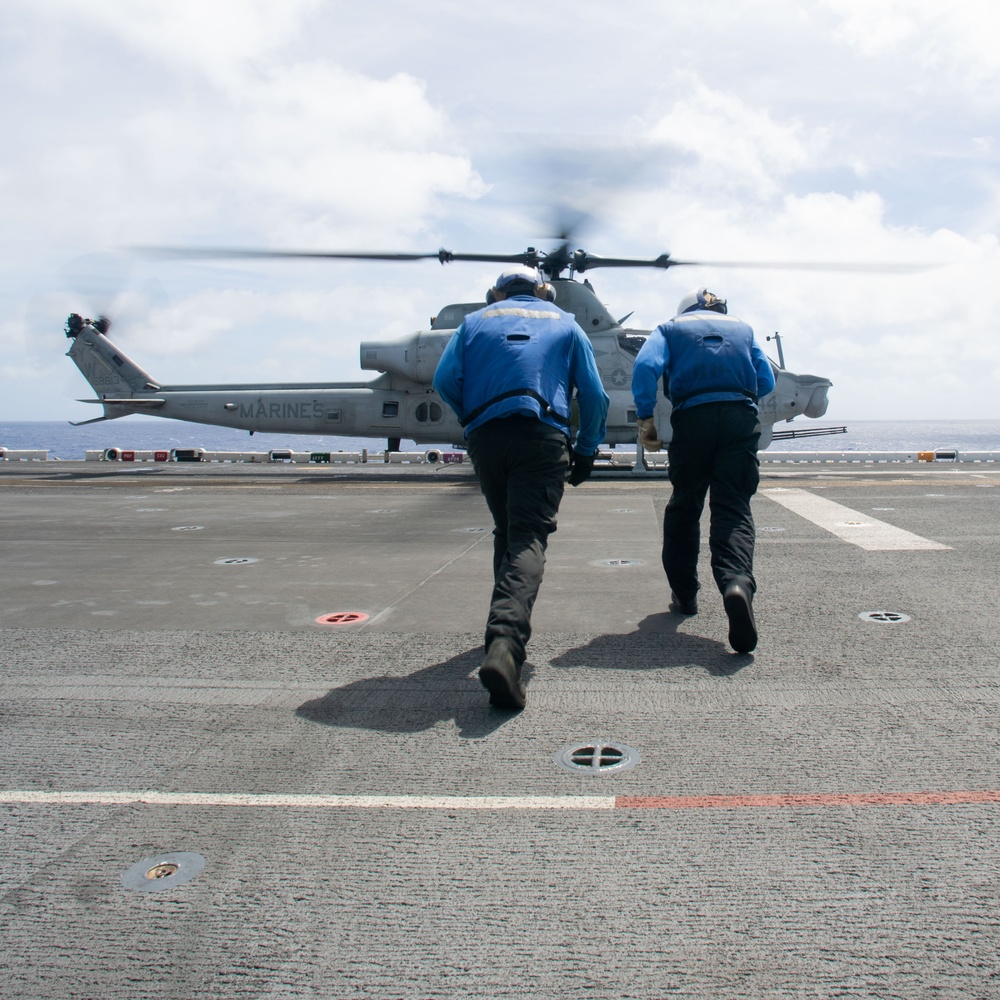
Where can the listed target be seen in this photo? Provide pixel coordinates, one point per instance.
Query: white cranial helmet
(520, 275)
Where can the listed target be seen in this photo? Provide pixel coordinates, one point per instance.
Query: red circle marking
(342, 618)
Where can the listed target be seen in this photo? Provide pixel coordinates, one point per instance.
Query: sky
(849, 131)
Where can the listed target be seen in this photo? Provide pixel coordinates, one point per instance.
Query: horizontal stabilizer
(95, 420)
(150, 403)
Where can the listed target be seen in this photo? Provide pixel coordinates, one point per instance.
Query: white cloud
(220, 40)
(309, 153)
(730, 145)
(956, 45)
(269, 152)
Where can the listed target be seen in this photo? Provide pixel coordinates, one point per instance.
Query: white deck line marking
(389, 608)
(252, 801)
(858, 529)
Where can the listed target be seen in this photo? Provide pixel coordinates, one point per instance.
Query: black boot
(689, 607)
(501, 676)
(739, 610)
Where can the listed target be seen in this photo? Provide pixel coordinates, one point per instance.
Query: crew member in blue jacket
(509, 373)
(715, 372)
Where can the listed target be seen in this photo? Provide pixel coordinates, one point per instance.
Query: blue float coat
(707, 357)
(523, 343)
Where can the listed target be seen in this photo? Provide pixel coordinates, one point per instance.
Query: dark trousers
(713, 450)
(522, 465)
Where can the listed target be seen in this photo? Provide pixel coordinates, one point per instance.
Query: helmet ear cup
(546, 292)
(491, 296)
(713, 302)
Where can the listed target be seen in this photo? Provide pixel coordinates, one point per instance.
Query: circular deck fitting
(596, 757)
(164, 871)
(236, 561)
(618, 563)
(189, 527)
(885, 617)
(342, 618)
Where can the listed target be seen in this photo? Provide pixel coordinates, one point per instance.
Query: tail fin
(111, 373)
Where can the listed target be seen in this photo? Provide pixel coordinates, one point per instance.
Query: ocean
(63, 441)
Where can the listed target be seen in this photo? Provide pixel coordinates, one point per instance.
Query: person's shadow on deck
(655, 645)
(414, 702)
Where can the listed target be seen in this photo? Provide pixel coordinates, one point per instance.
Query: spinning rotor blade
(230, 253)
(569, 222)
(552, 262)
(858, 267)
(530, 257)
(96, 285)
(583, 261)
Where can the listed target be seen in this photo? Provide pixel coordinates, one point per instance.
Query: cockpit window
(630, 343)
(451, 316)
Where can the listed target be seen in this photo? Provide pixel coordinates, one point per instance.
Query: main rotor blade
(861, 267)
(558, 259)
(222, 253)
(583, 261)
(569, 222)
(530, 257)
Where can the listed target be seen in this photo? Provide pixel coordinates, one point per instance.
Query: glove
(580, 467)
(648, 437)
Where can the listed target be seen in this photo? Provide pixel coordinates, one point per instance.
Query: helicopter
(401, 403)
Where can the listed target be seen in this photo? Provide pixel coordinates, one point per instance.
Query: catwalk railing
(612, 459)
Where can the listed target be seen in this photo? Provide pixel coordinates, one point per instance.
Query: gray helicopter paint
(400, 402)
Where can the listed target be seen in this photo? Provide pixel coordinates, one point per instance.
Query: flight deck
(245, 752)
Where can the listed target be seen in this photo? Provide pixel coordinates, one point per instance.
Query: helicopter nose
(818, 401)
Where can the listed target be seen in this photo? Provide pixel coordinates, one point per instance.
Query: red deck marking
(792, 801)
(342, 618)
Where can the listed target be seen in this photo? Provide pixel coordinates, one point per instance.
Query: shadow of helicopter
(415, 702)
(656, 645)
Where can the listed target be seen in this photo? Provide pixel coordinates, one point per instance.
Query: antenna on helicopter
(781, 354)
